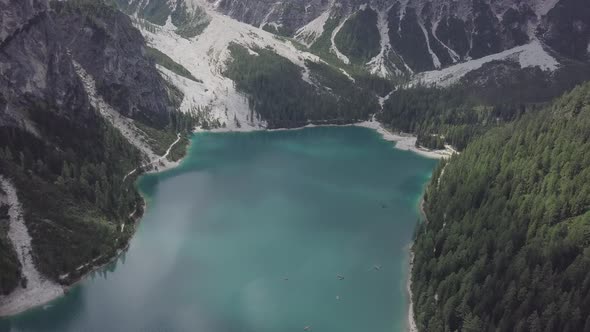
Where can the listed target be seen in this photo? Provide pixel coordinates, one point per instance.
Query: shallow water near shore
(251, 233)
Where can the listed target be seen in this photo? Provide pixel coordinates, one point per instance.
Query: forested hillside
(278, 93)
(440, 116)
(507, 242)
(66, 161)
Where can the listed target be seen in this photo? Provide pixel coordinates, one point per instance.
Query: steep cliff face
(101, 39)
(566, 29)
(35, 67)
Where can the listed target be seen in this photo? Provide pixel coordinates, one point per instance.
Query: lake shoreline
(402, 142)
(56, 290)
(411, 321)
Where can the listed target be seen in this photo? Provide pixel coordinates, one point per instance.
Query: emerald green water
(249, 235)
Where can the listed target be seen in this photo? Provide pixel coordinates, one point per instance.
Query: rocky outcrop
(36, 68)
(432, 34)
(566, 29)
(103, 41)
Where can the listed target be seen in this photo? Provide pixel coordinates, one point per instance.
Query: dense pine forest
(440, 116)
(70, 185)
(506, 246)
(278, 94)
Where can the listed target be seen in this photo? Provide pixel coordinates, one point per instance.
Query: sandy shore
(405, 142)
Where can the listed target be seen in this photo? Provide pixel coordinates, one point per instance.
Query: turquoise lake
(261, 232)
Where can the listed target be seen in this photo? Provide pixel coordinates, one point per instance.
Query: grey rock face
(109, 48)
(15, 14)
(567, 28)
(455, 30)
(35, 67)
(37, 50)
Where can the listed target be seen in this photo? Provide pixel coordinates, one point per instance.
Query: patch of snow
(435, 59)
(333, 47)
(310, 32)
(529, 55)
(39, 289)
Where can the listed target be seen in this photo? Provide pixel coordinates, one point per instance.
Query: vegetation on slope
(70, 185)
(359, 37)
(322, 44)
(507, 243)
(441, 116)
(279, 95)
(189, 23)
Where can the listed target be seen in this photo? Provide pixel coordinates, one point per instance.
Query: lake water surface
(251, 234)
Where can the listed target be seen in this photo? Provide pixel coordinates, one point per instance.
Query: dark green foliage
(379, 85)
(9, 264)
(166, 62)
(179, 150)
(322, 44)
(70, 185)
(507, 243)
(359, 37)
(279, 95)
(443, 115)
(180, 123)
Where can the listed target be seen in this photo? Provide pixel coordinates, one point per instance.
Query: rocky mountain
(418, 35)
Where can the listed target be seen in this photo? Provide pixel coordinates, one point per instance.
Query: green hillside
(507, 243)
